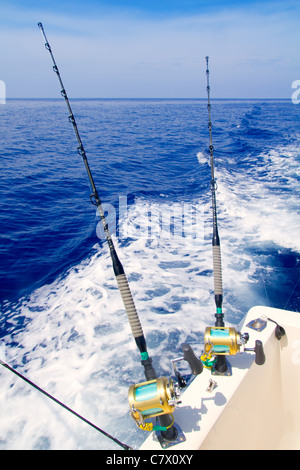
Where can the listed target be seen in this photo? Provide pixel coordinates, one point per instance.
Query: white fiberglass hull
(257, 407)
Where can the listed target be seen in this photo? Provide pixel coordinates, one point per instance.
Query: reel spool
(152, 399)
(223, 340)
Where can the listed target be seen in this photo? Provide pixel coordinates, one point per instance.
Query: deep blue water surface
(154, 153)
(135, 148)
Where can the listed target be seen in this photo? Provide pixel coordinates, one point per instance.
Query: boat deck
(257, 407)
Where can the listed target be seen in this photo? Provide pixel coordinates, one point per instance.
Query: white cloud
(253, 54)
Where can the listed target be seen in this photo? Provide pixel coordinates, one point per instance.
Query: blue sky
(151, 49)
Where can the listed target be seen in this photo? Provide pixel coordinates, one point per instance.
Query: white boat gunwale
(257, 407)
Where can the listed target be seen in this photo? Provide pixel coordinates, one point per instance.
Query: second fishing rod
(216, 246)
(221, 341)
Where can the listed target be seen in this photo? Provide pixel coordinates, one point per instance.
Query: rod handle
(133, 317)
(217, 266)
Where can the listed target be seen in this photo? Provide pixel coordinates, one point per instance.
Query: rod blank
(216, 247)
(117, 265)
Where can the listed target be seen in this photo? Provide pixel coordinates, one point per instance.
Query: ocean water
(62, 320)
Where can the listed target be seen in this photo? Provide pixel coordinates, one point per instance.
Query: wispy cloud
(254, 53)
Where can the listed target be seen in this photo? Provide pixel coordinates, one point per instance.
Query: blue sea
(62, 321)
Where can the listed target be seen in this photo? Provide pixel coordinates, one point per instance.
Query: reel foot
(166, 443)
(224, 371)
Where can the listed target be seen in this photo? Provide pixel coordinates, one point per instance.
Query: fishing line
(20, 7)
(296, 284)
(125, 446)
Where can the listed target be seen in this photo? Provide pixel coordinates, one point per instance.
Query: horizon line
(149, 99)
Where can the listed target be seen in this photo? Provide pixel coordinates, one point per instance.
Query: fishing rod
(157, 397)
(34, 385)
(220, 341)
(119, 272)
(216, 246)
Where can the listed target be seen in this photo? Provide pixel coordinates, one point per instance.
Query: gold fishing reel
(152, 399)
(223, 341)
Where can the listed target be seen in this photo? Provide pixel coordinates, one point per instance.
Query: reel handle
(260, 357)
(189, 356)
